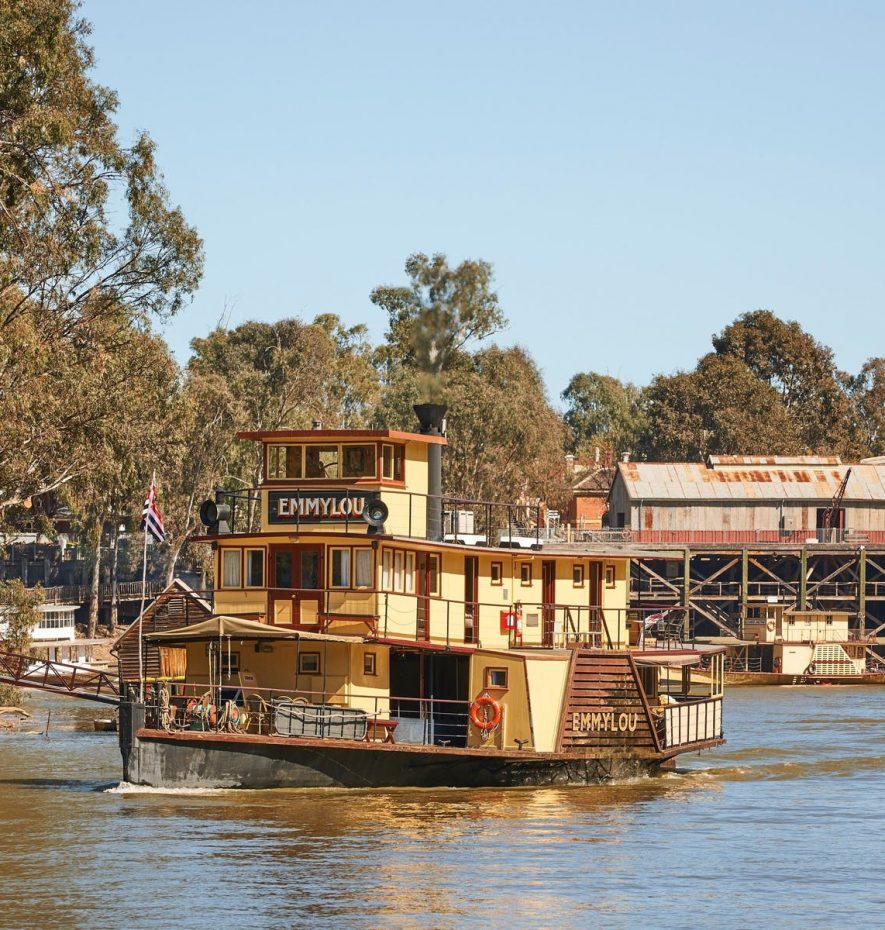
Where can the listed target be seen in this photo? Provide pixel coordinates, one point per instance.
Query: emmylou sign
(317, 506)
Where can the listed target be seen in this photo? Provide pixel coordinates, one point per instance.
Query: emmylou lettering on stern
(321, 507)
(604, 722)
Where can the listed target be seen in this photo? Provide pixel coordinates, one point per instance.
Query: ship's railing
(734, 664)
(690, 721)
(408, 615)
(188, 706)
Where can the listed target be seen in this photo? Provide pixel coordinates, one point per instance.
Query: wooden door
(423, 600)
(471, 596)
(296, 585)
(548, 594)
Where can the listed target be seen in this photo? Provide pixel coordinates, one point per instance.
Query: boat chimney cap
(431, 418)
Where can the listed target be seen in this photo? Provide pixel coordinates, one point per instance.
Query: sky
(639, 174)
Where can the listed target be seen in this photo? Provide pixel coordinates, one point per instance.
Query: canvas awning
(674, 660)
(222, 626)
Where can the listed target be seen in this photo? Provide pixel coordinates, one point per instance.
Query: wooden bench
(384, 728)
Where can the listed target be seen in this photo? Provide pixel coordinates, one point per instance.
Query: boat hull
(775, 678)
(228, 760)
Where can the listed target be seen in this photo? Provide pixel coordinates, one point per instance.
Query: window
(230, 662)
(497, 573)
(254, 568)
(578, 575)
(496, 677)
(433, 575)
(369, 663)
(341, 568)
(525, 573)
(609, 576)
(397, 571)
(283, 462)
(392, 462)
(358, 461)
(321, 462)
(387, 569)
(309, 663)
(363, 568)
(231, 568)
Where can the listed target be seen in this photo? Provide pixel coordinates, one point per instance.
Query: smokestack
(430, 416)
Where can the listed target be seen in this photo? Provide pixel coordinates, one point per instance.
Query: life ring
(770, 626)
(480, 719)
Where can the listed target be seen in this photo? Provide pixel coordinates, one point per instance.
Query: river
(781, 827)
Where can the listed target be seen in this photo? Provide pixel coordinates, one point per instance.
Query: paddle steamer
(371, 632)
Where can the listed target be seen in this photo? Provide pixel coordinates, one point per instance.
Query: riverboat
(357, 641)
(785, 646)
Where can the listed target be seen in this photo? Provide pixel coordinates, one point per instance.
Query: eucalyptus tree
(90, 247)
(603, 412)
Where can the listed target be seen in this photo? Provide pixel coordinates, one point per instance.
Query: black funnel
(430, 416)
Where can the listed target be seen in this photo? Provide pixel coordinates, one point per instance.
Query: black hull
(184, 760)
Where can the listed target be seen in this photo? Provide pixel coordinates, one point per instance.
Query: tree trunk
(94, 582)
(115, 553)
(171, 560)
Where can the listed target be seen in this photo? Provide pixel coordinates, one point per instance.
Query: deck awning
(671, 660)
(224, 626)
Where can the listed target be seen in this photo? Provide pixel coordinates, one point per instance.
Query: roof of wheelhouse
(340, 434)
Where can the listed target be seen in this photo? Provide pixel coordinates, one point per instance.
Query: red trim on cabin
(340, 435)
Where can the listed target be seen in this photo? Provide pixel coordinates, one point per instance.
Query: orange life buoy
(770, 626)
(480, 719)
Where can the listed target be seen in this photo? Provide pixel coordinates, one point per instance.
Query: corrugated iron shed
(772, 482)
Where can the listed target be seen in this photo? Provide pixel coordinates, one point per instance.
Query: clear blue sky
(639, 174)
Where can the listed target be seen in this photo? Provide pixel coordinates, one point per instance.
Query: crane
(831, 513)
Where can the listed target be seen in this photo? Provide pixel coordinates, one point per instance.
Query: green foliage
(78, 288)
(867, 395)
(603, 412)
(802, 371)
(18, 615)
(505, 441)
(432, 320)
(719, 408)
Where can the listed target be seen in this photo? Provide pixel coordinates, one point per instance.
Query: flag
(151, 518)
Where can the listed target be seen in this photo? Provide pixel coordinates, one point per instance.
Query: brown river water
(783, 827)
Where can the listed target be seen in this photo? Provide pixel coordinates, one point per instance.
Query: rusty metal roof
(718, 461)
(688, 481)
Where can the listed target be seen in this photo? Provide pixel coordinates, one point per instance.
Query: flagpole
(141, 612)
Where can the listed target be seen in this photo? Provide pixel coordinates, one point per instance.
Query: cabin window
(358, 461)
(609, 576)
(397, 571)
(230, 662)
(341, 568)
(829, 621)
(284, 462)
(496, 677)
(370, 664)
(231, 568)
(497, 573)
(321, 462)
(309, 663)
(525, 573)
(578, 575)
(363, 568)
(387, 569)
(392, 462)
(433, 575)
(255, 568)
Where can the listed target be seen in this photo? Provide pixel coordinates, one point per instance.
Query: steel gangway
(81, 681)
